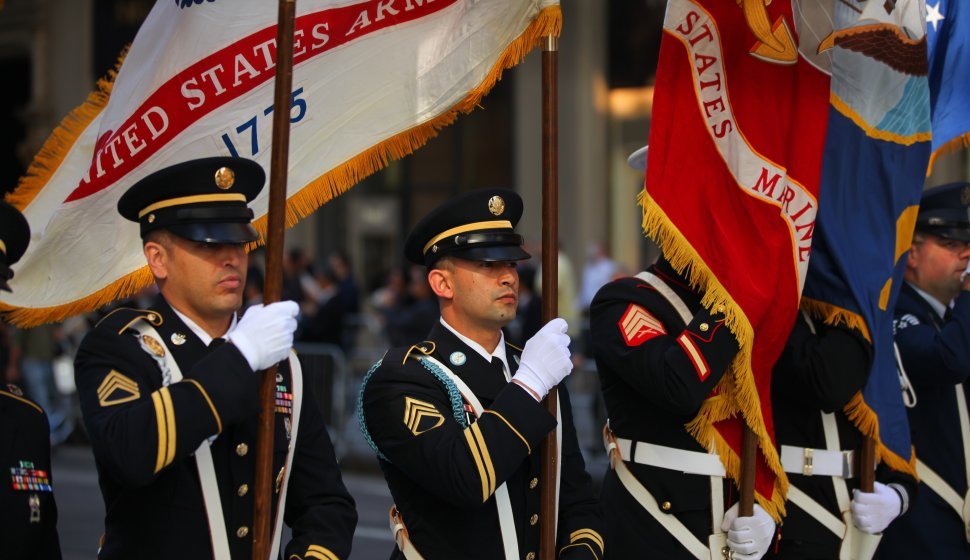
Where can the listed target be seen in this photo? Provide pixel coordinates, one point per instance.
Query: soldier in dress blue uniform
(170, 397)
(456, 419)
(932, 330)
(659, 354)
(28, 513)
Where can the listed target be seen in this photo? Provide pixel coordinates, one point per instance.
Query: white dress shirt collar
(499, 351)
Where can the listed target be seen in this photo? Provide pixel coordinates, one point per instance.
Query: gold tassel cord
(736, 393)
(303, 203)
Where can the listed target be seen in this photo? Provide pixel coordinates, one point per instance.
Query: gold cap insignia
(151, 218)
(225, 177)
(14, 390)
(178, 339)
(496, 205)
(116, 388)
(153, 346)
(420, 416)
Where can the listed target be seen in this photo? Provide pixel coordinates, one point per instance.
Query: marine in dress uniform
(932, 332)
(457, 425)
(659, 354)
(28, 513)
(171, 403)
(820, 369)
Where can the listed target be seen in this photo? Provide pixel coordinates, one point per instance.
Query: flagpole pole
(749, 454)
(550, 276)
(263, 492)
(867, 462)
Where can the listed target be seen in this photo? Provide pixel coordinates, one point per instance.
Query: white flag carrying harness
(709, 464)
(203, 456)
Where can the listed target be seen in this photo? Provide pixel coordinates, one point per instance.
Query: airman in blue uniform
(932, 332)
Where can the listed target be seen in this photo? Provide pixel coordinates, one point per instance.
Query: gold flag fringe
(862, 416)
(316, 193)
(959, 143)
(835, 315)
(60, 141)
(867, 421)
(736, 393)
(31, 317)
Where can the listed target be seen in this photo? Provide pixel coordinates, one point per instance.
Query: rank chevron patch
(638, 326)
(116, 388)
(419, 414)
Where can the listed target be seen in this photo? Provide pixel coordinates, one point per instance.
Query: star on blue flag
(948, 40)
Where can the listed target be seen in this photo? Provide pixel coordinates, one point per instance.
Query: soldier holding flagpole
(456, 419)
(660, 354)
(169, 394)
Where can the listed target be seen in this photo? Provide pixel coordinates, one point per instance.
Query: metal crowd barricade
(325, 378)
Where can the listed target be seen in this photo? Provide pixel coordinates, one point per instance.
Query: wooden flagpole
(264, 494)
(550, 278)
(866, 466)
(749, 454)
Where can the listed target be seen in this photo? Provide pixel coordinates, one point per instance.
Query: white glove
(545, 359)
(265, 333)
(873, 512)
(748, 537)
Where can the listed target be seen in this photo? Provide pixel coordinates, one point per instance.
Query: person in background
(28, 511)
(416, 317)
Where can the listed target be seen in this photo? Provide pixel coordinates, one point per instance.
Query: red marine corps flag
(372, 81)
(736, 141)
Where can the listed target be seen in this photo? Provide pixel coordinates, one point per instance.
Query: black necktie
(216, 342)
(498, 366)
(948, 313)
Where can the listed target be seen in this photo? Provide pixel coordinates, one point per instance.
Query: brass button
(530, 556)
(243, 490)
(242, 532)
(704, 327)
(666, 506)
(242, 449)
(533, 483)
(720, 309)
(534, 519)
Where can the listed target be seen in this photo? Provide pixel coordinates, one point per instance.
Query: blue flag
(876, 151)
(948, 39)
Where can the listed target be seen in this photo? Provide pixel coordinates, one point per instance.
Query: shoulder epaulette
(14, 392)
(426, 347)
(120, 319)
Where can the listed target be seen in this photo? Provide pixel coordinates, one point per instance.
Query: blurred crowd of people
(398, 310)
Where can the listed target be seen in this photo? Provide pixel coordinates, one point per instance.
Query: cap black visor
(216, 233)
